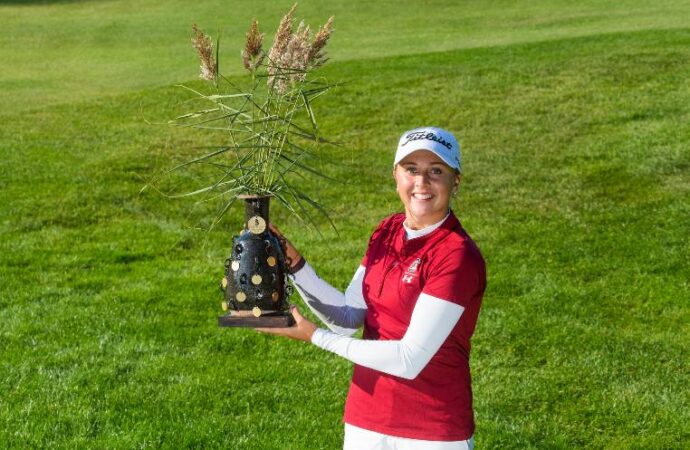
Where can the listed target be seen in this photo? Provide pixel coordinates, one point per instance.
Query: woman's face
(425, 185)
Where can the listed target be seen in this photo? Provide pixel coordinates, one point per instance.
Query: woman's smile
(421, 196)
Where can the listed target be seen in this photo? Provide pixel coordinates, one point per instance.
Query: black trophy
(255, 283)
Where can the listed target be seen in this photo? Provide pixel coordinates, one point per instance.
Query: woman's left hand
(303, 329)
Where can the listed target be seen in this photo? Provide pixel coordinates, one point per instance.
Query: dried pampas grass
(292, 55)
(253, 55)
(267, 125)
(204, 47)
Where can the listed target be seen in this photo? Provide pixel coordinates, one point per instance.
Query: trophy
(255, 283)
(269, 131)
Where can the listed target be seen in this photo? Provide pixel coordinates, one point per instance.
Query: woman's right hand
(291, 252)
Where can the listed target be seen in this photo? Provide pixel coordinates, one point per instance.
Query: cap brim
(408, 151)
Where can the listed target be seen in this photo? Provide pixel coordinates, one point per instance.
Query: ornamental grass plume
(281, 39)
(291, 65)
(204, 47)
(294, 54)
(253, 55)
(266, 129)
(316, 56)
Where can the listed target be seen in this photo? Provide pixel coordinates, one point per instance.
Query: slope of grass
(576, 189)
(65, 51)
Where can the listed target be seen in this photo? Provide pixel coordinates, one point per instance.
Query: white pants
(360, 439)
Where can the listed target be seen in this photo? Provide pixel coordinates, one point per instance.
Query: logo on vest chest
(409, 276)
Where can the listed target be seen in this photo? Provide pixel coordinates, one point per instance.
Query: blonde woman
(417, 293)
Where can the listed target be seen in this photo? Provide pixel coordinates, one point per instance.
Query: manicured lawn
(576, 188)
(63, 51)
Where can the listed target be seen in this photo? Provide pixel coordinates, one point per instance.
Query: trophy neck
(256, 206)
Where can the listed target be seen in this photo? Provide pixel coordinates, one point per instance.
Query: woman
(417, 293)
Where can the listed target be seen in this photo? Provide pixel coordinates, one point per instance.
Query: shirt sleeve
(456, 278)
(343, 313)
(432, 321)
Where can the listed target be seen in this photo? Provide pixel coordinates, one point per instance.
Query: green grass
(54, 52)
(576, 189)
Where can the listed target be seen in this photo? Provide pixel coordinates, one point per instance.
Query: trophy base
(242, 319)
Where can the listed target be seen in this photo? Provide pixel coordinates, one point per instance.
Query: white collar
(413, 234)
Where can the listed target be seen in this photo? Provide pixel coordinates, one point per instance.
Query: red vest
(437, 404)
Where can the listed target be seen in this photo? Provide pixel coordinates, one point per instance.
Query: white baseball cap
(436, 140)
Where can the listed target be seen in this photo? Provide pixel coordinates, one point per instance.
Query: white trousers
(360, 439)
